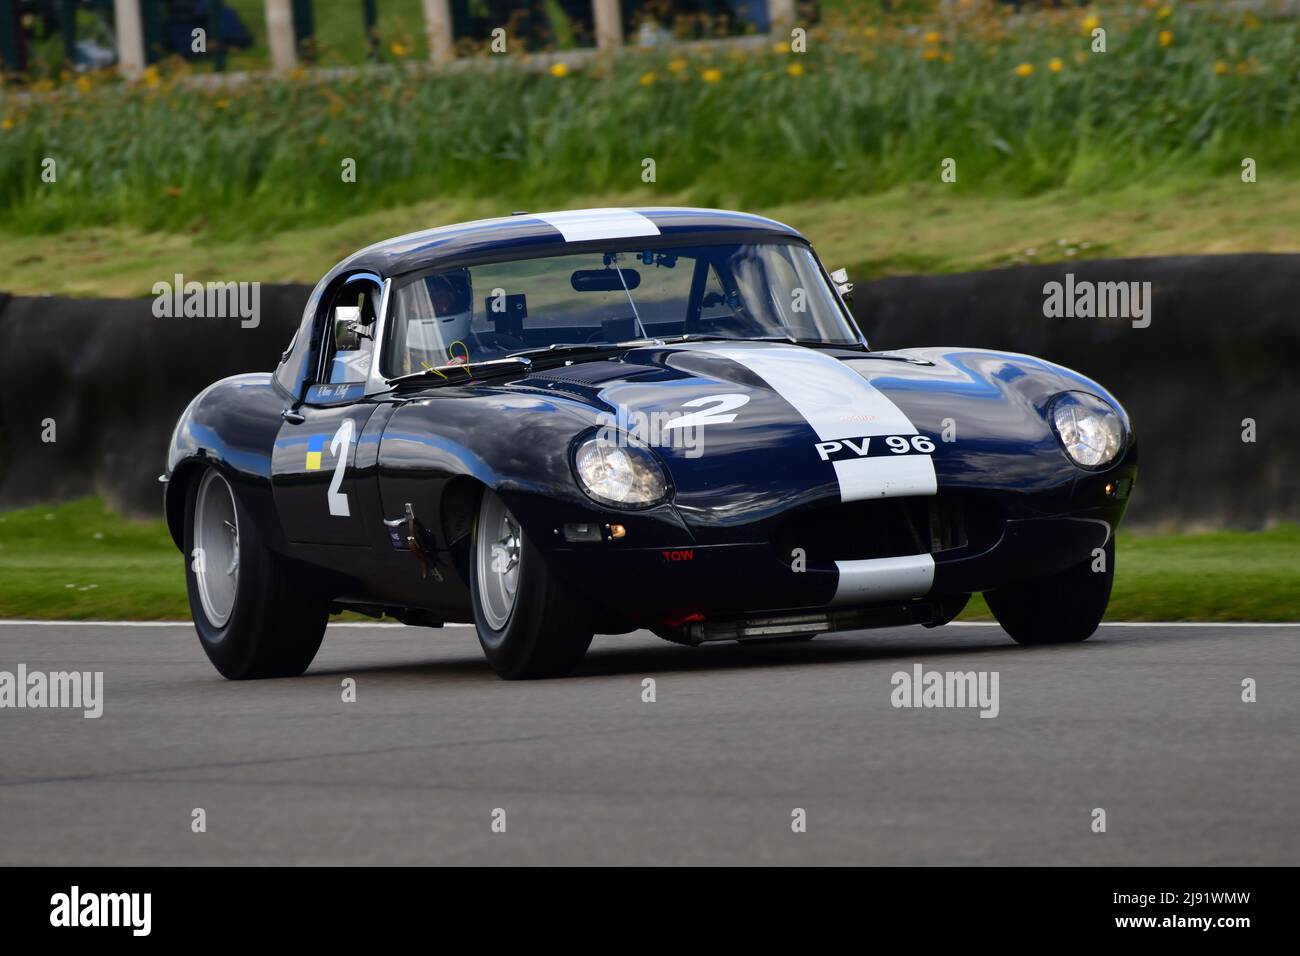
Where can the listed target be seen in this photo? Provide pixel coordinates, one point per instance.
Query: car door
(314, 475)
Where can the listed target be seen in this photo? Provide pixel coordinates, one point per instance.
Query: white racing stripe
(581, 225)
(883, 579)
(839, 403)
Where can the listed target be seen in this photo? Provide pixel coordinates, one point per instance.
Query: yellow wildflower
(559, 70)
(1056, 65)
(711, 75)
(1025, 69)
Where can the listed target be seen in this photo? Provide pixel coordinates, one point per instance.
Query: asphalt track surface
(1146, 722)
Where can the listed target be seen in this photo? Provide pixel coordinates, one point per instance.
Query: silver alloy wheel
(216, 548)
(498, 548)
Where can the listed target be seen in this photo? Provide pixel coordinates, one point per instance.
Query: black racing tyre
(256, 614)
(1063, 608)
(529, 623)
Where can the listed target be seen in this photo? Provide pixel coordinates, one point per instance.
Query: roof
(554, 233)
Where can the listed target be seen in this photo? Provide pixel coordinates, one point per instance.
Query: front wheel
(255, 614)
(1063, 608)
(529, 623)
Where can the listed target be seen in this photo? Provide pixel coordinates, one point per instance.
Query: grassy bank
(80, 561)
(867, 109)
(911, 229)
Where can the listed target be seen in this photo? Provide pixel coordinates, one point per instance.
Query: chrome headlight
(1089, 428)
(619, 474)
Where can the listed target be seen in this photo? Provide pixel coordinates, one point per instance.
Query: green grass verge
(913, 229)
(1218, 576)
(868, 108)
(80, 561)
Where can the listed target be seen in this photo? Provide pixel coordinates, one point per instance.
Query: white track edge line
(16, 623)
(186, 624)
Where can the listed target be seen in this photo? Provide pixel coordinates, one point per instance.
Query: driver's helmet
(452, 296)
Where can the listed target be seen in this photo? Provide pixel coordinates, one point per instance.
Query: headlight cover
(621, 475)
(1089, 428)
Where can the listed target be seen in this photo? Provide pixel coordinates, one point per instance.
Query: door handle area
(292, 417)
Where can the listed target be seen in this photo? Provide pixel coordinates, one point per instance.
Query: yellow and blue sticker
(315, 449)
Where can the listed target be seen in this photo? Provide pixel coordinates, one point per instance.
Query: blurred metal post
(12, 58)
(438, 29)
(370, 16)
(216, 48)
(304, 30)
(68, 22)
(279, 31)
(781, 13)
(608, 17)
(130, 37)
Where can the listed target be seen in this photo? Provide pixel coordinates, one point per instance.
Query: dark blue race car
(555, 425)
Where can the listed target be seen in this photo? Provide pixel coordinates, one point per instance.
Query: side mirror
(841, 279)
(347, 334)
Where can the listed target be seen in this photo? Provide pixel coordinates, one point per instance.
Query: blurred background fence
(38, 35)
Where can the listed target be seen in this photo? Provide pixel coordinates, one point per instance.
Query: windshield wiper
(465, 372)
(811, 343)
(702, 337)
(568, 348)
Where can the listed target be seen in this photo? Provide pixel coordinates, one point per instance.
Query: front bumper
(912, 558)
(655, 585)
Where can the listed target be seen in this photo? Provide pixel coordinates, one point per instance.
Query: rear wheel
(1062, 608)
(529, 623)
(255, 613)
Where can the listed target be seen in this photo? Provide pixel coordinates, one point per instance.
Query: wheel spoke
(499, 553)
(216, 538)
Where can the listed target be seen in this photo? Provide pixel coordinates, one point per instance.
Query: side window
(349, 333)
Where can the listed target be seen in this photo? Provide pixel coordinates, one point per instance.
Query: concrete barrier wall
(114, 379)
(1223, 345)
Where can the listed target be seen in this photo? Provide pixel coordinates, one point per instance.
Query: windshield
(473, 314)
